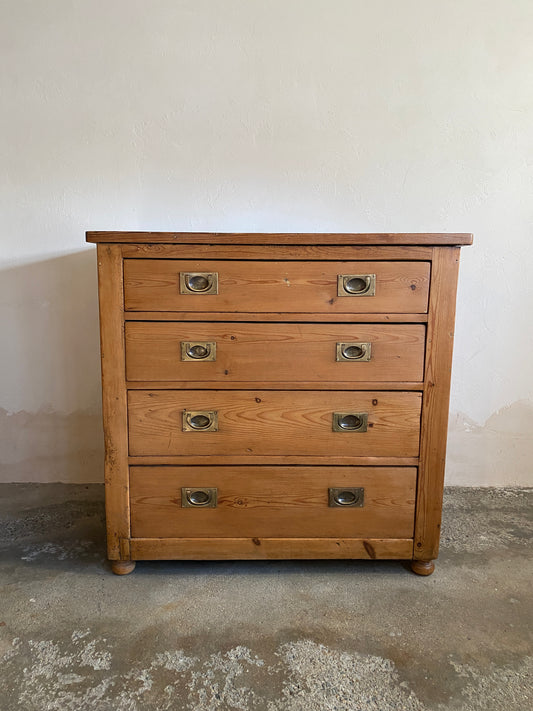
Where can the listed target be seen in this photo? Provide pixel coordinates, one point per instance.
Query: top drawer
(262, 287)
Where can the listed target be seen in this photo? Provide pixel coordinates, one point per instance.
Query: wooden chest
(275, 395)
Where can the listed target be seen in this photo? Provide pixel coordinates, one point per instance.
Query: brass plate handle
(200, 421)
(198, 282)
(347, 497)
(356, 285)
(350, 421)
(199, 350)
(199, 497)
(354, 352)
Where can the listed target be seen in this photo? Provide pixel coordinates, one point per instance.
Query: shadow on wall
(50, 406)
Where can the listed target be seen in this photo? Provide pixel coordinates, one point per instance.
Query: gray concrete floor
(278, 636)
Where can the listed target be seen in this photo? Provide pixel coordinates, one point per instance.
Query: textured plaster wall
(274, 115)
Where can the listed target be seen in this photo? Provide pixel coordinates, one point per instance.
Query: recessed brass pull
(354, 351)
(356, 285)
(198, 282)
(199, 350)
(347, 497)
(350, 421)
(199, 497)
(200, 421)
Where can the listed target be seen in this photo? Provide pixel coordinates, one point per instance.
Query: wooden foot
(122, 567)
(422, 567)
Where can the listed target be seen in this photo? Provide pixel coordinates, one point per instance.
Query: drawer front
(248, 352)
(273, 423)
(262, 287)
(272, 502)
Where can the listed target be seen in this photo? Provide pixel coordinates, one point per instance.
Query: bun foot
(122, 567)
(422, 567)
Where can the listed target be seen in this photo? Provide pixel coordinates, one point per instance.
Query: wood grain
(269, 238)
(275, 252)
(272, 502)
(273, 352)
(267, 317)
(269, 548)
(125, 548)
(239, 460)
(273, 423)
(436, 402)
(152, 284)
(114, 402)
(278, 385)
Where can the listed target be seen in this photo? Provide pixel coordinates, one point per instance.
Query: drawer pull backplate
(198, 350)
(200, 421)
(198, 282)
(199, 497)
(347, 497)
(354, 352)
(350, 421)
(356, 285)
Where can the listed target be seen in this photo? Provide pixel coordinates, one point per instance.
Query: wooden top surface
(269, 238)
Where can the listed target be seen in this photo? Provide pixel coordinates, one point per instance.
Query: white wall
(272, 115)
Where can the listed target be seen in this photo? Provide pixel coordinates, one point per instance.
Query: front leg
(122, 567)
(422, 567)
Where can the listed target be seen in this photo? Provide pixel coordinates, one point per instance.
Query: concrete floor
(278, 636)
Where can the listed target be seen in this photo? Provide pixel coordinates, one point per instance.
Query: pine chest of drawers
(275, 395)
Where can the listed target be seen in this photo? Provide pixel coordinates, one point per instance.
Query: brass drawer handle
(199, 497)
(356, 285)
(200, 421)
(350, 421)
(347, 496)
(354, 351)
(198, 282)
(199, 350)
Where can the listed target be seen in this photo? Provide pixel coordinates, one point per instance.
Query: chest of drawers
(275, 395)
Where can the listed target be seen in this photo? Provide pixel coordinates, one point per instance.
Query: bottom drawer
(267, 501)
